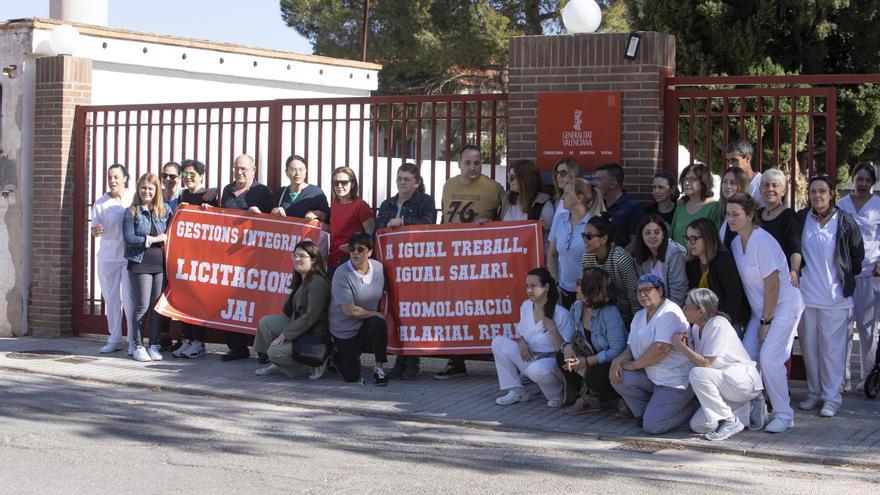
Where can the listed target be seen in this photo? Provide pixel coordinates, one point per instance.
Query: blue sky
(245, 22)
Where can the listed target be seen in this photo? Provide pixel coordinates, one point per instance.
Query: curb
(482, 425)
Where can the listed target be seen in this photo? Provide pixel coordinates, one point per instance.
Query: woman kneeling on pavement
(305, 315)
(358, 285)
(651, 375)
(725, 379)
(543, 326)
(599, 336)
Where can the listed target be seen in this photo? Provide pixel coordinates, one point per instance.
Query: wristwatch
(766, 322)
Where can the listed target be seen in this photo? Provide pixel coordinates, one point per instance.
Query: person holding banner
(601, 251)
(143, 228)
(469, 197)
(410, 206)
(193, 175)
(650, 374)
(543, 327)
(300, 199)
(524, 200)
(351, 214)
(246, 194)
(358, 286)
(106, 219)
(305, 315)
(581, 202)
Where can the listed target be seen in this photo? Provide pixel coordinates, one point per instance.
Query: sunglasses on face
(343, 183)
(562, 173)
(187, 175)
(589, 237)
(169, 176)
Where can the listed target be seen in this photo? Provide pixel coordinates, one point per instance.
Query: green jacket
(307, 309)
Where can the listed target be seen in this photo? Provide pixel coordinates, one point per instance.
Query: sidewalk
(851, 438)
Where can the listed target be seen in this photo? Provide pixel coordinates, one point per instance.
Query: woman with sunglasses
(106, 227)
(358, 285)
(697, 186)
(410, 206)
(171, 190)
(776, 304)
(651, 375)
(664, 190)
(833, 252)
(350, 214)
(565, 170)
(192, 174)
(524, 199)
(864, 207)
(300, 199)
(656, 253)
(601, 251)
(581, 202)
(305, 314)
(710, 267)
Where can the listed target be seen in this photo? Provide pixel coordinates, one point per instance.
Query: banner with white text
(452, 288)
(227, 268)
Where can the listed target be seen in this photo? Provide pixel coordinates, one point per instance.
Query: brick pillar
(63, 82)
(593, 62)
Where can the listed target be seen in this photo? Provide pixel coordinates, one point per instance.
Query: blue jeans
(145, 291)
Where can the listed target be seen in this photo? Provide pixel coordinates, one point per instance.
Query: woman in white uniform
(106, 228)
(776, 304)
(832, 252)
(864, 206)
(543, 326)
(724, 378)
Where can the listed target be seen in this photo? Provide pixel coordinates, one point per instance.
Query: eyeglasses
(169, 176)
(562, 173)
(693, 239)
(688, 180)
(300, 256)
(644, 290)
(358, 249)
(187, 175)
(343, 183)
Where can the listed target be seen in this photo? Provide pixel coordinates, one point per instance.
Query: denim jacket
(136, 228)
(417, 210)
(607, 332)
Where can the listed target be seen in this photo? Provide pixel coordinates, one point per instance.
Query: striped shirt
(621, 266)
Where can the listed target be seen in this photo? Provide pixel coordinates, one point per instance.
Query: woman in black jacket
(833, 251)
(711, 266)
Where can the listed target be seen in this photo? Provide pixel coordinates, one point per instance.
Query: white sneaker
(155, 355)
(195, 350)
(181, 351)
(318, 371)
(512, 397)
(829, 410)
(554, 403)
(111, 347)
(268, 370)
(808, 404)
(778, 425)
(131, 348)
(861, 386)
(140, 354)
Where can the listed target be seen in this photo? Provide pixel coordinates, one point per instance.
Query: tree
(760, 37)
(428, 46)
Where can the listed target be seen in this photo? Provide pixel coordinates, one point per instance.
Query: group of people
(679, 312)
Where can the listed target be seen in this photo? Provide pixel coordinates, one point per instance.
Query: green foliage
(763, 37)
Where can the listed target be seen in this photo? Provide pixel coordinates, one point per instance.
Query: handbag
(310, 350)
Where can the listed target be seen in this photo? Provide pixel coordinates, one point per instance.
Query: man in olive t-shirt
(469, 197)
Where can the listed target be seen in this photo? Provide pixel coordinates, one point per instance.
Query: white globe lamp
(581, 16)
(65, 40)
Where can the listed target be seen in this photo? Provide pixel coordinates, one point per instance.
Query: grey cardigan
(676, 275)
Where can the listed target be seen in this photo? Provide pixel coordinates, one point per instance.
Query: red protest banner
(452, 288)
(226, 268)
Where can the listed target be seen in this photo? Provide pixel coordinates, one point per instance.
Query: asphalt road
(64, 436)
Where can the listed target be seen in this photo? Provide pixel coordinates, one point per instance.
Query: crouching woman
(725, 379)
(543, 326)
(305, 315)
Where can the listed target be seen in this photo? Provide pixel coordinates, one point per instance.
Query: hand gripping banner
(452, 288)
(226, 268)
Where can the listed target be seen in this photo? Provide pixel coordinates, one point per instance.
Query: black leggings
(348, 351)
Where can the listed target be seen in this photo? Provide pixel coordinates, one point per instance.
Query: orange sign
(583, 126)
(226, 269)
(452, 288)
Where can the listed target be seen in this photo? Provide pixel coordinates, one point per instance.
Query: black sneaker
(262, 358)
(412, 370)
(398, 368)
(451, 371)
(379, 377)
(166, 344)
(234, 354)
